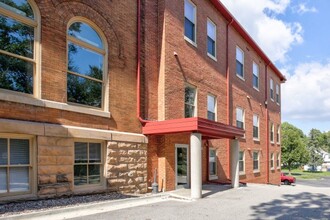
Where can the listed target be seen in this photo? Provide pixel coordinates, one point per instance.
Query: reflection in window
(189, 20)
(255, 160)
(85, 65)
(212, 162)
(211, 105)
(190, 102)
(17, 46)
(241, 162)
(240, 118)
(239, 62)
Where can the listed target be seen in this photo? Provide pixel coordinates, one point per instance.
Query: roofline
(238, 27)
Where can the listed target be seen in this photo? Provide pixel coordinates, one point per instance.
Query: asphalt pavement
(323, 182)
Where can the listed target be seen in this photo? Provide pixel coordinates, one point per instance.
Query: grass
(301, 174)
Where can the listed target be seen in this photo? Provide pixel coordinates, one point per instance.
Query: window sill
(272, 169)
(30, 100)
(257, 89)
(256, 140)
(242, 173)
(278, 103)
(240, 77)
(256, 171)
(212, 57)
(213, 177)
(190, 41)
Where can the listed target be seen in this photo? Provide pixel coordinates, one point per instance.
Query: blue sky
(295, 34)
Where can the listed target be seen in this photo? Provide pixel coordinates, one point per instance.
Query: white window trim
(195, 100)
(256, 170)
(256, 88)
(215, 41)
(242, 78)
(215, 106)
(256, 139)
(241, 173)
(272, 130)
(105, 83)
(194, 43)
(278, 134)
(36, 23)
(277, 92)
(213, 177)
(33, 169)
(92, 187)
(271, 88)
(272, 159)
(243, 117)
(279, 161)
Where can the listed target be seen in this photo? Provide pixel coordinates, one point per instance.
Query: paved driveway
(252, 202)
(323, 182)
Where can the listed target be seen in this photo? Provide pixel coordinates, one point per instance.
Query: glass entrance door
(182, 166)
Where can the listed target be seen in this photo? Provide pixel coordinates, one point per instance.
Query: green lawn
(300, 174)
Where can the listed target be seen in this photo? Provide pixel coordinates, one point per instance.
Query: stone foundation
(127, 167)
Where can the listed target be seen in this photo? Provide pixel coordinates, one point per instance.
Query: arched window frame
(36, 24)
(104, 51)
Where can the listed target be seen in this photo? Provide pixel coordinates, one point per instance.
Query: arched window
(19, 46)
(86, 74)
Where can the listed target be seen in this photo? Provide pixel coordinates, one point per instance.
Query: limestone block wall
(55, 166)
(127, 167)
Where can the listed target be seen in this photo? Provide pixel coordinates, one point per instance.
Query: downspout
(267, 121)
(138, 65)
(228, 91)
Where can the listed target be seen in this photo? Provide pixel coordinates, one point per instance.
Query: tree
(316, 142)
(294, 151)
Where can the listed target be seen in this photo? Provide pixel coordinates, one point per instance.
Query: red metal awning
(209, 129)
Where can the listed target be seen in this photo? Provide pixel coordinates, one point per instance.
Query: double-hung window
(272, 89)
(211, 39)
(272, 161)
(241, 160)
(211, 107)
(255, 79)
(190, 21)
(255, 127)
(272, 132)
(239, 62)
(240, 118)
(15, 166)
(190, 102)
(19, 40)
(278, 165)
(212, 164)
(256, 161)
(277, 94)
(86, 77)
(87, 163)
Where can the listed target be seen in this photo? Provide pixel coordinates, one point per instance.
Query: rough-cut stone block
(64, 160)
(117, 182)
(113, 153)
(112, 145)
(112, 160)
(122, 152)
(46, 179)
(142, 160)
(127, 160)
(56, 130)
(120, 167)
(137, 166)
(112, 174)
(132, 173)
(46, 160)
(47, 190)
(134, 152)
(123, 174)
(65, 169)
(139, 179)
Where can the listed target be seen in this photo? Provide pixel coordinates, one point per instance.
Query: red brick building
(97, 95)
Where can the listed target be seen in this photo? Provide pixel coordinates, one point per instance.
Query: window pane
(190, 95)
(80, 174)
(255, 120)
(21, 7)
(241, 155)
(255, 156)
(240, 124)
(189, 11)
(255, 165)
(211, 30)
(85, 33)
(94, 152)
(239, 114)
(239, 68)
(241, 166)
(210, 46)
(189, 29)
(16, 74)
(84, 91)
(255, 82)
(213, 168)
(3, 152)
(255, 132)
(239, 55)
(16, 37)
(3, 178)
(19, 151)
(189, 111)
(211, 103)
(80, 152)
(85, 61)
(211, 116)
(19, 179)
(94, 176)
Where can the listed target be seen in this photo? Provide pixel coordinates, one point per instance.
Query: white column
(234, 163)
(196, 165)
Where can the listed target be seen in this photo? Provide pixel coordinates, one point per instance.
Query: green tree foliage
(317, 142)
(294, 151)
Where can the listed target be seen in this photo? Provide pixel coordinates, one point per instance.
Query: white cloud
(302, 9)
(306, 93)
(273, 35)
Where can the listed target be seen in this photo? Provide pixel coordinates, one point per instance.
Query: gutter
(267, 121)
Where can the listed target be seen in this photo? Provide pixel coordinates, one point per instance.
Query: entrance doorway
(182, 165)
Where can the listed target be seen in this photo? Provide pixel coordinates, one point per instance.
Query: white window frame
(103, 168)
(238, 49)
(32, 168)
(214, 57)
(271, 89)
(243, 160)
(255, 72)
(278, 135)
(258, 169)
(258, 123)
(278, 160)
(195, 100)
(194, 22)
(213, 177)
(215, 106)
(272, 162)
(243, 116)
(277, 94)
(272, 131)
(104, 52)
(36, 24)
